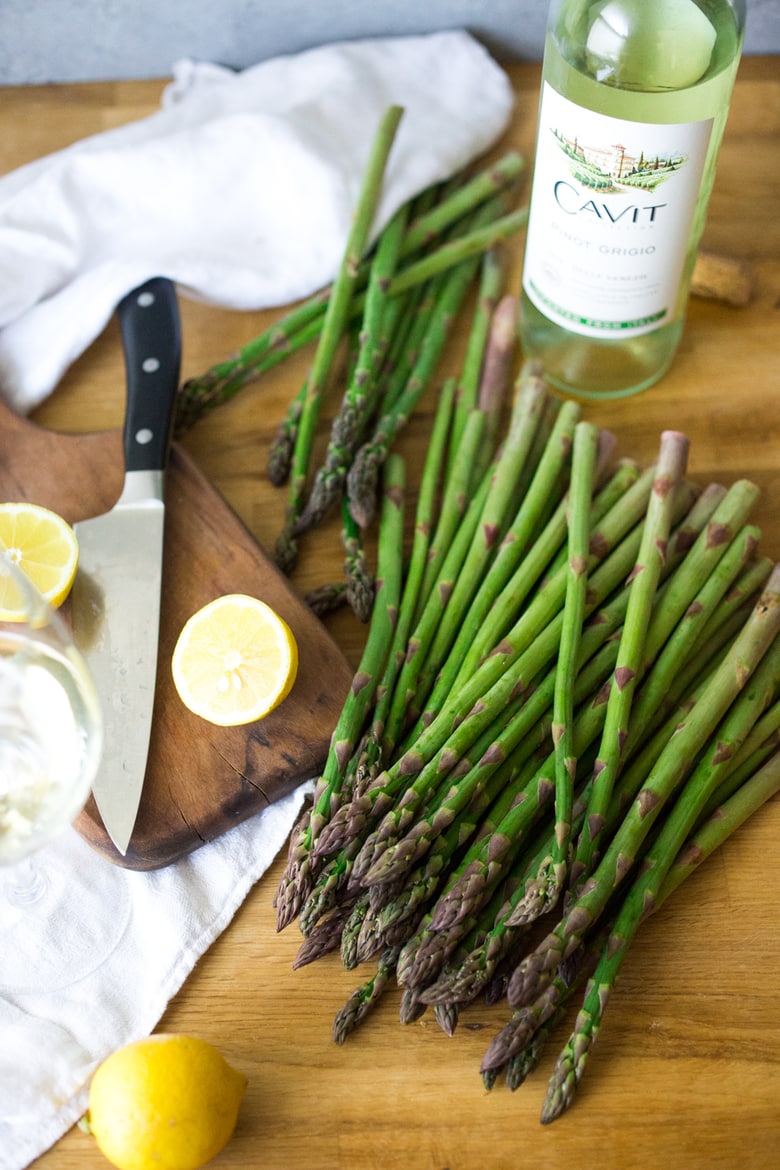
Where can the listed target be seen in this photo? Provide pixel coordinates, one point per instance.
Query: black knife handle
(151, 337)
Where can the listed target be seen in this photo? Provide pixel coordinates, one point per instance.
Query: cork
(723, 278)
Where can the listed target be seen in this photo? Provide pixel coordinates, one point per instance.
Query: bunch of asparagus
(393, 305)
(569, 696)
(568, 693)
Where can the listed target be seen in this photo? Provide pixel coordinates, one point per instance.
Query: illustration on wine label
(613, 168)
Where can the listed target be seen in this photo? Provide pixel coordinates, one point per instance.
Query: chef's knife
(116, 593)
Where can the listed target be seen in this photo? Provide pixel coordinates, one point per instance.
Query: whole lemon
(168, 1102)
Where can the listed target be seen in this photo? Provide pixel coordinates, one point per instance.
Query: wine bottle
(633, 105)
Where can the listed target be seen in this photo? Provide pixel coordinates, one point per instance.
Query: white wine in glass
(52, 931)
(50, 721)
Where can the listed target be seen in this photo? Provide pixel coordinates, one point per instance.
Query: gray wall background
(43, 41)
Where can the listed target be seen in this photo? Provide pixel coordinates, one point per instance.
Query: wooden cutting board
(201, 779)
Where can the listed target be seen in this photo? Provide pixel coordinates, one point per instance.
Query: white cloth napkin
(160, 923)
(241, 188)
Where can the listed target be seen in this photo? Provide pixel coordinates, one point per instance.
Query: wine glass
(51, 734)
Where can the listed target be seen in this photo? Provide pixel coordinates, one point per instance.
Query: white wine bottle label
(612, 207)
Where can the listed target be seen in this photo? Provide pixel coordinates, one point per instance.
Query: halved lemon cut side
(235, 660)
(44, 546)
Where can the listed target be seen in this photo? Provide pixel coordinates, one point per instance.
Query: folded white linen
(159, 923)
(241, 188)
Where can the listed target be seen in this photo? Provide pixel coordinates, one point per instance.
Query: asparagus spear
(444, 956)
(361, 476)
(516, 1046)
(428, 226)
(496, 377)
(472, 243)
(365, 997)
(399, 902)
(553, 871)
(672, 460)
(696, 659)
(762, 743)
(483, 867)
(280, 452)
(194, 402)
(200, 394)
(336, 316)
(461, 981)
(721, 822)
(706, 550)
(350, 932)
(379, 740)
(350, 422)
(324, 938)
(432, 804)
(456, 497)
(713, 637)
(466, 447)
(360, 586)
(323, 599)
(642, 763)
(487, 295)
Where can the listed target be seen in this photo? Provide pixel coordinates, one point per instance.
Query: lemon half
(235, 660)
(44, 546)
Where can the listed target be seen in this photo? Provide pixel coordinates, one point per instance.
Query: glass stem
(26, 884)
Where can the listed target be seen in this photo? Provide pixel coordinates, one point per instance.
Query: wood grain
(686, 1072)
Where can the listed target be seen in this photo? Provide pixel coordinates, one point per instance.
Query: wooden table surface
(686, 1072)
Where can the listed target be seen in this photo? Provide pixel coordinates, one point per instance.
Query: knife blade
(116, 593)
